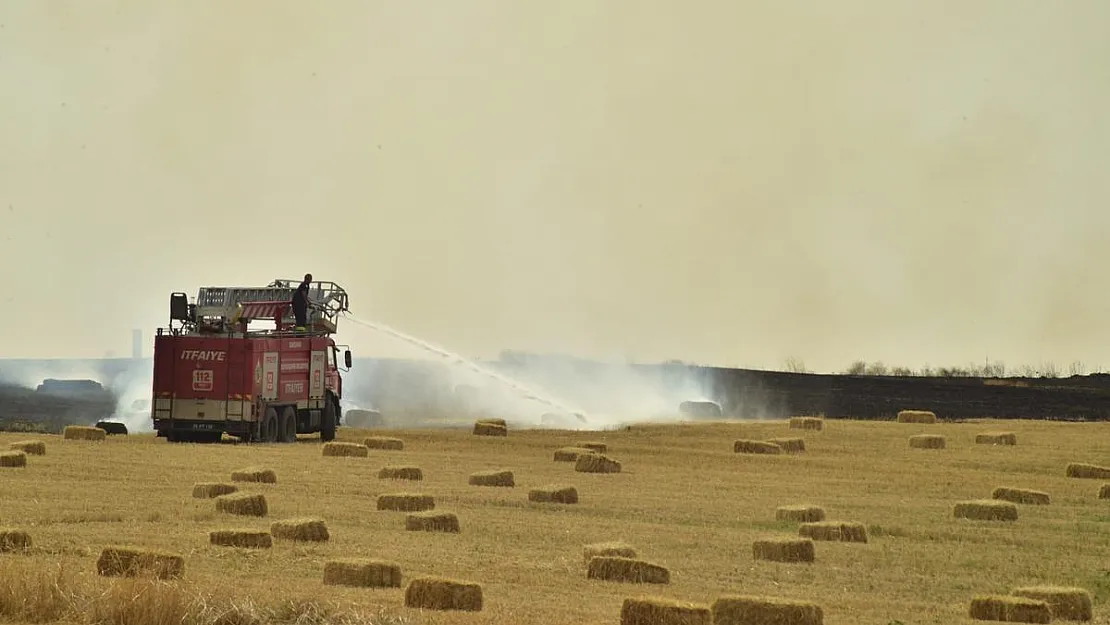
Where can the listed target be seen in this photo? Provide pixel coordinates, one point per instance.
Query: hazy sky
(728, 182)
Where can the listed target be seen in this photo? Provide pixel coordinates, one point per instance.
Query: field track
(683, 500)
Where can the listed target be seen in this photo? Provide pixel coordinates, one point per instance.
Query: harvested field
(746, 610)
(31, 448)
(784, 550)
(917, 416)
(414, 474)
(684, 500)
(241, 538)
(1021, 495)
(432, 521)
(492, 478)
(996, 438)
(388, 443)
(342, 449)
(308, 529)
(927, 441)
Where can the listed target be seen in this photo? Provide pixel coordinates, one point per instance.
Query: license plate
(203, 426)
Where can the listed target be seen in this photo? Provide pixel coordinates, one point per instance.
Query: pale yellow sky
(729, 183)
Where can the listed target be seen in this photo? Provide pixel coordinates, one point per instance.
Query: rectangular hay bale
(837, 531)
(257, 475)
(83, 433)
(917, 416)
(660, 611)
(927, 441)
(1067, 602)
(985, 510)
(414, 474)
(134, 562)
(432, 521)
(31, 448)
(1088, 471)
(482, 428)
(241, 538)
(435, 593)
(243, 504)
(554, 494)
(362, 573)
(996, 438)
(12, 540)
(211, 490)
(596, 463)
(306, 529)
(1010, 609)
(343, 449)
(753, 610)
(388, 443)
(13, 459)
(492, 478)
(612, 548)
(747, 446)
(1021, 495)
(801, 513)
(406, 502)
(571, 454)
(789, 445)
(807, 423)
(626, 570)
(790, 550)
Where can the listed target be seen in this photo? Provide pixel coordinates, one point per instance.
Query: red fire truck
(214, 374)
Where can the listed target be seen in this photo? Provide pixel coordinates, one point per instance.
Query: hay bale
(927, 441)
(113, 428)
(343, 449)
(1104, 491)
(243, 539)
(917, 416)
(254, 474)
(803, 513)
(596, 463)
(745, 446)
(996, 438)
(626, 570)
(211, 490)
(789, 445)
(1068, 603)
(14, 540)
(1021, 495)
(132, 562)
(500, 422)
(406, 502)
(659, 611)
(83, 433)
(1010, 609)
(807, 423)
(751, 610)
(612, 548)
(1088, 471)
(985, 510)
(31, 448)
(384, 442)
(13, 459)
(571, 454)
(554, 494)
(308, 529)
(432, 521)
(700, 409)
(362, 573)
(784, 550)
(484, 428)
(492, 478)
(434, 593)
(400, 473)
(839, 531)
(243, 504)
(594, 446)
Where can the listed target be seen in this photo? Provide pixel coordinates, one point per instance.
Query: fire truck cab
(214, 374)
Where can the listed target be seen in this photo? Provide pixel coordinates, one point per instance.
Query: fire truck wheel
(288, 432)
(328, 419)
(268, 430)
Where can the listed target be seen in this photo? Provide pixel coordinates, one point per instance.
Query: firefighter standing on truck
(300, 303)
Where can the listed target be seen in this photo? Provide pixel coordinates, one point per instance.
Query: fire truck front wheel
(329, 418)
(288, 431)
(268, 428)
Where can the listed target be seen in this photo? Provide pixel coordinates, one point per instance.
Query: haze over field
(726, 183)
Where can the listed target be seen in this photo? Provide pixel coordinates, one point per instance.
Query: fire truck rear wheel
(328, 419)
(268, 429)
(288, 431)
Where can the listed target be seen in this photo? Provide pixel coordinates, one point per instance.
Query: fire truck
(214, 373)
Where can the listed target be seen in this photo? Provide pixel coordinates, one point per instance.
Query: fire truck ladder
(325, 301)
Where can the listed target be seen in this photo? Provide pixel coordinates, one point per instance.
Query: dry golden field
(683, 500)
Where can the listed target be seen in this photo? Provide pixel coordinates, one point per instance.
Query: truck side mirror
(347, 358)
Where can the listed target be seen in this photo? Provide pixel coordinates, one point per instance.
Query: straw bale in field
(132, 562)
(985, 510)
(745, 446)
(1010, 609)
(400, 473)
(243, 504)
(570, 454)
(432, 521)
(492, 478)
(343, 449)
(83, 433)
(500, 422)
(1104, 491)
(434, 593)
(835, 531)
(751, 610)
(917, 416)
(384, 442)
(807, 423)
(13, 459)
(1088, 471)
(996, 438)
(660, 611)
(627, 570)
(406, 502)
(927, 441)
(306, 529)
(484, 428)
(594, 446)
(1021, 495)
(608, 548)
(31, 448)
(789, 445)
(14, 540)
(596, 463)
(802, 513)
(242, 538)
(1067, 603)
(362, 573)
(210, 490)
(784, 550)
(554, 494)
(254, 474)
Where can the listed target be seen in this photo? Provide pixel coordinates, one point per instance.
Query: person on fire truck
(300, 303)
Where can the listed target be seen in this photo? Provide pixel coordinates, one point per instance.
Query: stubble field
(683, 500)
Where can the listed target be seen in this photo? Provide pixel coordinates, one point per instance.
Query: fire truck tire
(268, 429)
(288, 431)
(328, 419)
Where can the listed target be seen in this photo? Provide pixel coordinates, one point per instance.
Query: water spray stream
(525, 391)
